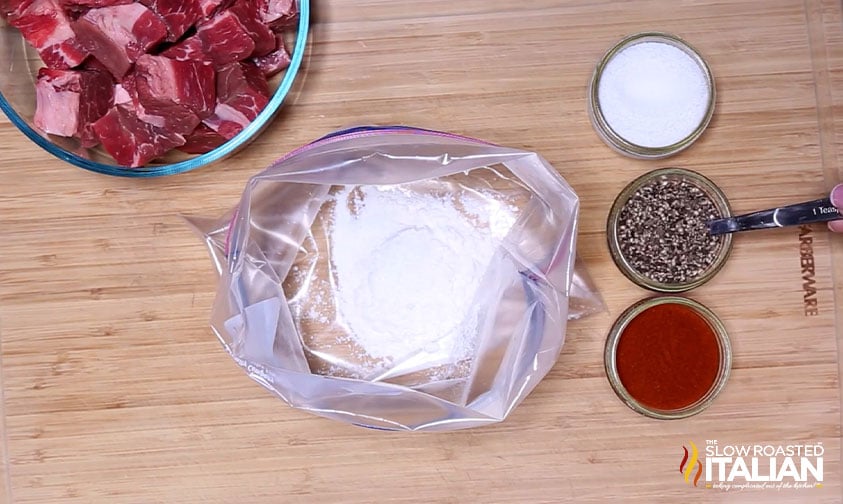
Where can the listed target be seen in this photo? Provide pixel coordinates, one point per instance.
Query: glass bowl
(20, 63)
(714, 193)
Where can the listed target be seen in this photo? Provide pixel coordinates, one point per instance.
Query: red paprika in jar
(668, 355)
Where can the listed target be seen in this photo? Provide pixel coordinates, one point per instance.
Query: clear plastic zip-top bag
(398, 278)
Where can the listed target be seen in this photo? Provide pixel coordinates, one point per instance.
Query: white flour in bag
(407, 266)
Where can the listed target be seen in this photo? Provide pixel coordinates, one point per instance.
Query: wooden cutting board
(115, 390)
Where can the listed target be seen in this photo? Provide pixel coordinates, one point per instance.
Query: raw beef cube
(181, 92)
(181, 121)
(279, 13)
(9, 7)
(126, 94)
(45, 26)
(98, 96)
(95, 65)
(202, 140)
(130, 141)
(242, 92)
(119, 35)
(68, 101)
(190, 84)
(75, 8)
(90, 4)
(274, 62)
(209, 7)
(221, 40)
(248, 13)
(225, 39)
(189, 49)
(240, 78)
(228, 121)
(178, 15)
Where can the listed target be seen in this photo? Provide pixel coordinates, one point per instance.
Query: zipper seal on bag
(367, 131)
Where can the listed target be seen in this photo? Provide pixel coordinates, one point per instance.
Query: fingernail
(836, 226)
(837, 196)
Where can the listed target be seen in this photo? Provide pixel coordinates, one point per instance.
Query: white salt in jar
(651, 96)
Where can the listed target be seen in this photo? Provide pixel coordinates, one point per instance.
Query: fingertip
(837, 196)
(836, 226)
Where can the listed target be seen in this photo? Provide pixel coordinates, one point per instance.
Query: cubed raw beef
(181, 92)
(9, 7)
(91, 4)
(248, 13)
(178, 15)
(119, 35)
(240, 78)
(126, 94)
(189, 49)
(202, 140)
(209, 7)
(75, 8)
(138, 101)
(94, 64)
(274, 62)
(221, 40)
(190, 84)
(46, 27)
(225, 39)
(279, 13)
(242, 92)
(130, 141)
(68, 101)
(228, 121)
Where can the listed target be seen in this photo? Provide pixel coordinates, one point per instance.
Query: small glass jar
(618, 142)
(724, 369)
(709, 188)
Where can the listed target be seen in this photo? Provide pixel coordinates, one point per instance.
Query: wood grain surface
(115, 390)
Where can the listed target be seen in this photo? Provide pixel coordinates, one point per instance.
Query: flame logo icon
(686, 467)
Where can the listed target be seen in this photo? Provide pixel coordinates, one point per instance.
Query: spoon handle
(820, 210)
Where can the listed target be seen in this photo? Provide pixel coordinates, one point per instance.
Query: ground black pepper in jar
(658, 231)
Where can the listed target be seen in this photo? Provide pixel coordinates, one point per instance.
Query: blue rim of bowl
(221, 152)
